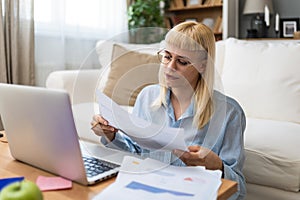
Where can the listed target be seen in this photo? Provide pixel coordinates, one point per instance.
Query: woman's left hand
(200, 156)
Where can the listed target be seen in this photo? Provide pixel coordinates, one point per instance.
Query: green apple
(23, 190)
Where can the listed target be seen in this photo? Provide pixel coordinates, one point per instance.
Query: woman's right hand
(101, 127)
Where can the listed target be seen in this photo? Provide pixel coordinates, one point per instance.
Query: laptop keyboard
(94, 166)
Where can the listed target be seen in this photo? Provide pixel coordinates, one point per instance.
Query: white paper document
(151, 179)
(148, 135)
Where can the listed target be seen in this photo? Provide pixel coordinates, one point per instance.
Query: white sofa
(263, 76)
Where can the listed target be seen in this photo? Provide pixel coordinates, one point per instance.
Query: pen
(94, 125)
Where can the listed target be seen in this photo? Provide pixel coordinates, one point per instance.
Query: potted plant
(143, 14)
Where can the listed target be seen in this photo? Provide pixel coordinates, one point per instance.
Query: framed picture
(288, 26)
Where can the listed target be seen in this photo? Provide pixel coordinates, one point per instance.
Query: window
(85, 16)
(42, 11)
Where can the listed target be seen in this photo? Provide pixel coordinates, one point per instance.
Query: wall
(285, 8)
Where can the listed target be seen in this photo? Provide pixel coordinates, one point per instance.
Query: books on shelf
(212, 2)
(215, 24)
(171, 20)
(176, 4)
(218, 27)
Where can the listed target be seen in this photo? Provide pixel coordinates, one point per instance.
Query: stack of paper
(150, 179)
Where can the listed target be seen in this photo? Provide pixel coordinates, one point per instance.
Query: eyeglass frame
(189, 63)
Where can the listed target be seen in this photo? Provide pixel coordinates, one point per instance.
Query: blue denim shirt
(223, 134)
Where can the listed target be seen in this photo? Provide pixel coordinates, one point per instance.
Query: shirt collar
(188, 113)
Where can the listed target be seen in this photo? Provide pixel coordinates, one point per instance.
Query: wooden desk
(12, 168)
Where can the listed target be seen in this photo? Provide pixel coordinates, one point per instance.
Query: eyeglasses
(165, 58)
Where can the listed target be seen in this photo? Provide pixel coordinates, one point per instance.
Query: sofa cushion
(80, 84)
(272, 153)
(220, 54)
(219, 63)
(130, 72)
(264, 78)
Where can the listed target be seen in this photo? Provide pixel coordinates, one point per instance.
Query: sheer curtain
(66, 32)
(16, 43)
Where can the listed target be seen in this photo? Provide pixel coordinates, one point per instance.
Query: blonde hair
(195, 36)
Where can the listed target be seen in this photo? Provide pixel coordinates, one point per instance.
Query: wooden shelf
(195, 7)
(181, 11)
(197, 13)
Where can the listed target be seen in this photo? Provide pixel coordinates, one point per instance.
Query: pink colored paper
(53, 183)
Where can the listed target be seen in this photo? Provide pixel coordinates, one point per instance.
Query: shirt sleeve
(232, 151)
(122, 142)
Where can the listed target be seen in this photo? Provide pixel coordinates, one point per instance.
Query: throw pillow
(104, 49)
(264, 78)
(129, 73)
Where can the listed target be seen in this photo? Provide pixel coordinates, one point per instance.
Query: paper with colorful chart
(151, 179)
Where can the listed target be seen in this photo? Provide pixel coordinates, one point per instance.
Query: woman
(213, 123)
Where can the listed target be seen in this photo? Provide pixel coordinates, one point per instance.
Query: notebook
(41, 132)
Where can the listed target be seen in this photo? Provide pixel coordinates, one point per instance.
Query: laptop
(41, 132)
